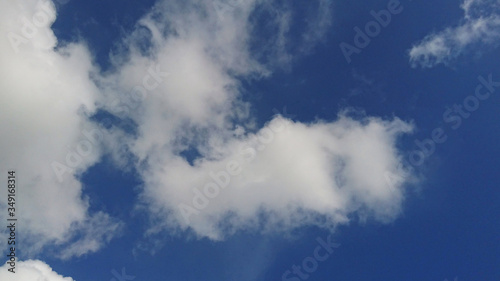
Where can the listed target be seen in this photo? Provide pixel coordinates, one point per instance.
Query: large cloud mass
(45, 96)
(176, 80)
(284, 175)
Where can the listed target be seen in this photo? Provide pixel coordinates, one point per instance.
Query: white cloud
(309, 174)
(30, 270)
(480, 26)
(45, 97)
(295, 175)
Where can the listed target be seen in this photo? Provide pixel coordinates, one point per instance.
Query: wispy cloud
(479, 28)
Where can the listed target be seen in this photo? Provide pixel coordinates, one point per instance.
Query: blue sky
(236, 140)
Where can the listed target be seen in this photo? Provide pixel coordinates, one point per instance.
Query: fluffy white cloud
(177, 78)
(31, 270)
(286, 176)
(308, 174)
(480, 26)
(45, 97)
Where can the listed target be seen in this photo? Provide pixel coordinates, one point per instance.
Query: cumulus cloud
(30, 270)
(276, 178)
(285, 176)
(479, 27)
(176, 79)
(46, 96)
